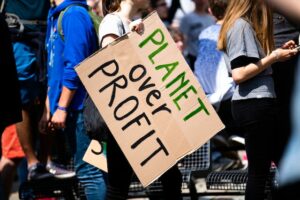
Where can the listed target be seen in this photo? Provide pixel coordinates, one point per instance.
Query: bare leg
(24, 132)
(7, 171)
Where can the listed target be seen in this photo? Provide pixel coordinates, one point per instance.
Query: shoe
(38, 171)
(59, 171)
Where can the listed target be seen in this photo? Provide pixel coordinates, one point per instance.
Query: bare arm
(247, 72)
(290, 8)
(59, 116)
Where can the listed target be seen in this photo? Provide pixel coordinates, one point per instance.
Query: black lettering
(103, 67)
(145, 84)
(155, 93)
(137, 143)
(137, 120)
(162, 108)
(115, 85)
(140, 76)
(101, 150)
(161, 147)
(130, 111)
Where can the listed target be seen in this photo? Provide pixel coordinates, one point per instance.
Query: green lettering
(199, 109)
(152, 38)
(184, 94)
(154, 53)
(182, 83)
(168, 67)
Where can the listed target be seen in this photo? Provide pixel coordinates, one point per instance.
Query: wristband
(62, 108)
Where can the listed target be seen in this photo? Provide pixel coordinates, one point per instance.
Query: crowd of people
(243, 53)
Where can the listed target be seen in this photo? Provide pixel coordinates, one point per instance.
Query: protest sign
(96, 155)
(150, 99)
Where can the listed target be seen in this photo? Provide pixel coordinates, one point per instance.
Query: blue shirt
(80, 41)
(211, 69)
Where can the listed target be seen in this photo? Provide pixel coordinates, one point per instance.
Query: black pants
(191, 61)
(290, 191)
(120, 174)
(258, 120)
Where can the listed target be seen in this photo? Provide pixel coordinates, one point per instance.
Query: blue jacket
(80, 41)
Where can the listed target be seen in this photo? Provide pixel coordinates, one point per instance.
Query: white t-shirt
(112, 24)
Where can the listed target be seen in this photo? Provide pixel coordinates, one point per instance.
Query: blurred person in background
(12, 155)
(289, 177)
(63, 113)
(177, 37)
(161, 7)
(247, 38)
(213, 73)
(10, 104)
(285, 29)
(191, 26)
(27, 24)
(96, 6)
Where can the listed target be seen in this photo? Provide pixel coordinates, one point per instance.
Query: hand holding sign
(150, 99)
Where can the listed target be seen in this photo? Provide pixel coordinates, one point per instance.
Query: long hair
(110, 6)
(257, 14)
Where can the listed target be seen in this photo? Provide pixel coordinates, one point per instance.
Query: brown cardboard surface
(150, 99)
(96, 155)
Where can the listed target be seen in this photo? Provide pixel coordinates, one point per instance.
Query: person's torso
(57, 53)
(211, 68)
(35, 10)
(261, 85)
(196, 23)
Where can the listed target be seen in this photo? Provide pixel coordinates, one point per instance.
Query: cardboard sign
(96, 155)
(150, 99)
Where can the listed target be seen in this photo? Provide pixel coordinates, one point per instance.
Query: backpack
(95, 19)
(94, 123)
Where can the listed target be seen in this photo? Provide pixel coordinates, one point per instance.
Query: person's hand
(281, 55)
(58, 120)
(44, 122)
(137, 25)
(289, 45)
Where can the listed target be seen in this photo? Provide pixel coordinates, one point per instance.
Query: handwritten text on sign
(148, 96)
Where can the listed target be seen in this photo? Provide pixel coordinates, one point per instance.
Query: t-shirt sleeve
(241, 41)
(111, 24)
(184, 25)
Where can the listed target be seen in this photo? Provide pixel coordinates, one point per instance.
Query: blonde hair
(257, 14)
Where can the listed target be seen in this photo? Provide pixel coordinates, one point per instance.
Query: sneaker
(59, 171)
(38, 171)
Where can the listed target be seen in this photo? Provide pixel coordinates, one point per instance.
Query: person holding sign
(247, 38)
(115, 24)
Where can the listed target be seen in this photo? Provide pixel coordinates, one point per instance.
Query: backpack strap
(59, 21)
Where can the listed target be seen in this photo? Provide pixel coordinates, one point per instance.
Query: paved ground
(200, 187)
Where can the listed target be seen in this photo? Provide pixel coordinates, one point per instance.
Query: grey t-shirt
(191, 26)
(242, 41)
(112, 24)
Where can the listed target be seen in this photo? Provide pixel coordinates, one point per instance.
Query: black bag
(94, 123)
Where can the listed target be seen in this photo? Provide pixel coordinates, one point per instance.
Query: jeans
(91, 178)
(258, 120)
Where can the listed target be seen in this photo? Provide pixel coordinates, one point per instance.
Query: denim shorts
(26, 68)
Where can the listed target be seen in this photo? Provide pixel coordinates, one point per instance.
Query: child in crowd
(191, 26)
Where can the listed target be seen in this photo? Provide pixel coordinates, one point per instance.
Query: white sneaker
(59, 171)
